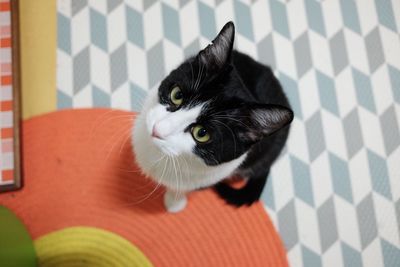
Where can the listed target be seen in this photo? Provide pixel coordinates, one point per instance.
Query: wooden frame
(16, 101)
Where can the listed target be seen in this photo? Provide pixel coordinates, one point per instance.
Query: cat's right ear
(217, 54)
(265, 120)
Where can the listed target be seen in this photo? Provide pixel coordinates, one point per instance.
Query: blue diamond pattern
(350, 15)
(363, 90)
(291, 89)
(379, 175)
(64, 101)
(340, 178)
(98, 29)
(302, 183)
(351, 257)
(134, 26)
(101, 98)
(310, 258)
(385, 14)
(395, 82)
(315, 136)
(391, 253)
(367, 221)
(64, 33)
(171, 24)
(137, 97)
(314, 16)
(207, 21)
(268, 195)
(327, 93)
(243, 18)
(287, 225)
(279, 18)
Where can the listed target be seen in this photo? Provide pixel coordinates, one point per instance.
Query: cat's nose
(155, 133)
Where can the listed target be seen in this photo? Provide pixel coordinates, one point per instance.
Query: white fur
(174, 202)
(170, 161)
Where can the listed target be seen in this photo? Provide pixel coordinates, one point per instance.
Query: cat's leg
(174, 201)
(247, 195)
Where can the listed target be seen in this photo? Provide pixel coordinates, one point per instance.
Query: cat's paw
(174, 202)
(236, 197)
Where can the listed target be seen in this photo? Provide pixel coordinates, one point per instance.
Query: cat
(219, 114)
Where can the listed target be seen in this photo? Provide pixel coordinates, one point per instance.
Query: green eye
(176, 96)
(200, 134)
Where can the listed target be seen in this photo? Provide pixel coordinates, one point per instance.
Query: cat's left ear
(267, 119)
(218, 54)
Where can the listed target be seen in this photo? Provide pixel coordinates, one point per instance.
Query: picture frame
(10, 108)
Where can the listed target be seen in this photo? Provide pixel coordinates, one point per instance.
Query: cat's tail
(246, 195)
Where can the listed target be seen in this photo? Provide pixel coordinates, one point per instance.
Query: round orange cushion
(79, 171)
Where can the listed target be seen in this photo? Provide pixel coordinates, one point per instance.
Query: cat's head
(203, 108)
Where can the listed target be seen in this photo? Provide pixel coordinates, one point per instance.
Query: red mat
(79, 171)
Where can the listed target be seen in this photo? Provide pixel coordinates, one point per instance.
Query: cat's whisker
(130, 117)
(232, 133)
(236, 116)
(191, 69)
(168, 158)
(198, 76)
(112, 138)
(201, 75)
(161, 178)
(180, 177)
(100, 117)
(187, 165)
(198, 71)
(126, 131)
(180, 171)
(224, 113)
(138, 170)
(176, 177)
(198, 81)
(123, 145)
(215, 160)
(232, 119)
(141, 100)
(155, 188)
(212, 155)
(116, 136)
(161, 158)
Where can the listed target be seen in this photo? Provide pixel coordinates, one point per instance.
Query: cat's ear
(267, 119)
(218, 53)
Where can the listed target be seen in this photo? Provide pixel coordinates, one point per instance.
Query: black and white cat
(220, 113)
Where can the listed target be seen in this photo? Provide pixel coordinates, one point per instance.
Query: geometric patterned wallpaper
(334, 194)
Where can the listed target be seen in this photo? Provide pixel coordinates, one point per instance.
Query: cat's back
(265, 87)
(260, 80)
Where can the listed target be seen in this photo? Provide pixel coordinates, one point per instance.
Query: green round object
(16, 246)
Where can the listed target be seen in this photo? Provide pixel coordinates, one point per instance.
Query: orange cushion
(79, 171)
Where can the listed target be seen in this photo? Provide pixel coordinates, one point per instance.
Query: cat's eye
(200, 134)
(176, 96)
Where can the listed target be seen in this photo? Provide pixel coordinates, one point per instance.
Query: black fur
(245, 111)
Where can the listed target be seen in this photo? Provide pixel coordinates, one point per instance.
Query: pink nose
(155, 133)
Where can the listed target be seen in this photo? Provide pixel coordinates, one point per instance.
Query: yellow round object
(87, 247)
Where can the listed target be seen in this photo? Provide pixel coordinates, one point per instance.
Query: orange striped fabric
(6, 101)
(79, 171)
